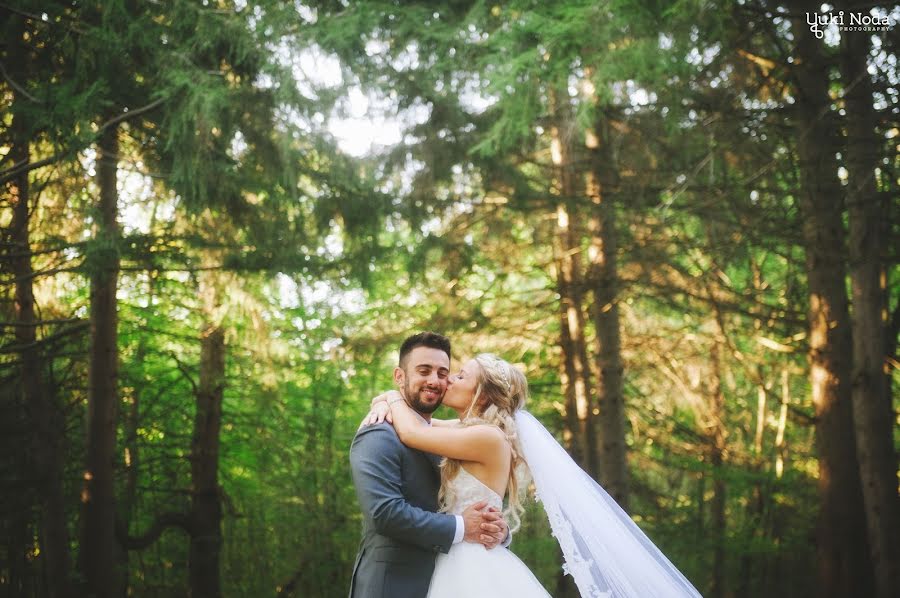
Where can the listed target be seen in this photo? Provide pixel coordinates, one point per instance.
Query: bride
(488, 453)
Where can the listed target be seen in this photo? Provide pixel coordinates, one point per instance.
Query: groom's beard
(414, 399)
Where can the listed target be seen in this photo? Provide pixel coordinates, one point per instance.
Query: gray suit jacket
(397, 488)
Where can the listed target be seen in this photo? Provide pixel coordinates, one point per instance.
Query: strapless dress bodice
(465, 490)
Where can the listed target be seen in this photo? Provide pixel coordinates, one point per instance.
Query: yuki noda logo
(851, 21)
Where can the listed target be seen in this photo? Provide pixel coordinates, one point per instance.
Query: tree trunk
(570, 285)
(44, 415)
(206, 504)
(604, 281)
(99, 552)
(844, 569)
(872, 411)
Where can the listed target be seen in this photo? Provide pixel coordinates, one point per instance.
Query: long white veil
(605, 551)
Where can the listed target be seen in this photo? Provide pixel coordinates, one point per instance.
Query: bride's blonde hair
(501, 390)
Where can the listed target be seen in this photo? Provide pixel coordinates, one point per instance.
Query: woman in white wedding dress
(488, 453)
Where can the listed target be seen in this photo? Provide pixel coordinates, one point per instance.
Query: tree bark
(604, 281)
(570, 285)
(872, 410)
(44, 415)
(844, 569)
(206, 504)
(99, 550)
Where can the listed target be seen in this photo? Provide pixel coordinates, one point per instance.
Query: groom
(397, 488)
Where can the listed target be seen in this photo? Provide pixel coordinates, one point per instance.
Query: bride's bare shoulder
(493, 432)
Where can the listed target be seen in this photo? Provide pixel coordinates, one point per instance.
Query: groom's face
(423, 378)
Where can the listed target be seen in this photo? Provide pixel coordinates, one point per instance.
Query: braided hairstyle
(501, 391)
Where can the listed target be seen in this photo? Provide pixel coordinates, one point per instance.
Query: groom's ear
(399, 377)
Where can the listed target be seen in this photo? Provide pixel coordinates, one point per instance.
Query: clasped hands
(484, 525)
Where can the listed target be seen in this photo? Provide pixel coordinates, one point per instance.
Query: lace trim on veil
(605, 552)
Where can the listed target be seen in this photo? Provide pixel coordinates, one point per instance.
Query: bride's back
(466, 489)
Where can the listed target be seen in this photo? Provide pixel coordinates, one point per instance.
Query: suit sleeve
(375, 463)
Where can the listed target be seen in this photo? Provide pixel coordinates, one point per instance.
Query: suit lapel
(435, 461)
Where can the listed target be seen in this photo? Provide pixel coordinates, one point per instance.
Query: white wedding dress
(470, 570)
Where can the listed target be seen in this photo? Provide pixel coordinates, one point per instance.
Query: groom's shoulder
(380, 435)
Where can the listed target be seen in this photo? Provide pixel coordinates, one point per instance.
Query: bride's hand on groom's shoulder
(385, 397)
(484, 525)
(380, 410)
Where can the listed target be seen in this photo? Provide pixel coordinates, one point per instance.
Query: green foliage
(322, 263)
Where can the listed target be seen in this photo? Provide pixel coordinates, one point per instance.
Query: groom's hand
(494, 524)
(484, 525)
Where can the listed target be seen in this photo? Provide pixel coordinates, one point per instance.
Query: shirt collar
(419, 415)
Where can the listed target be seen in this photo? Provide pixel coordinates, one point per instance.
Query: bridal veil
(604, 550)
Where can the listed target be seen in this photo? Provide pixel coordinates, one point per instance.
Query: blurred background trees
(676, 218)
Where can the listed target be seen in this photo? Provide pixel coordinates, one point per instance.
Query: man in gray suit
(397, 488)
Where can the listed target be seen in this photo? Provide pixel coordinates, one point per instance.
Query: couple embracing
(432, 492)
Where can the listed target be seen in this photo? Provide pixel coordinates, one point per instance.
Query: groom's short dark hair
(432, 340)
